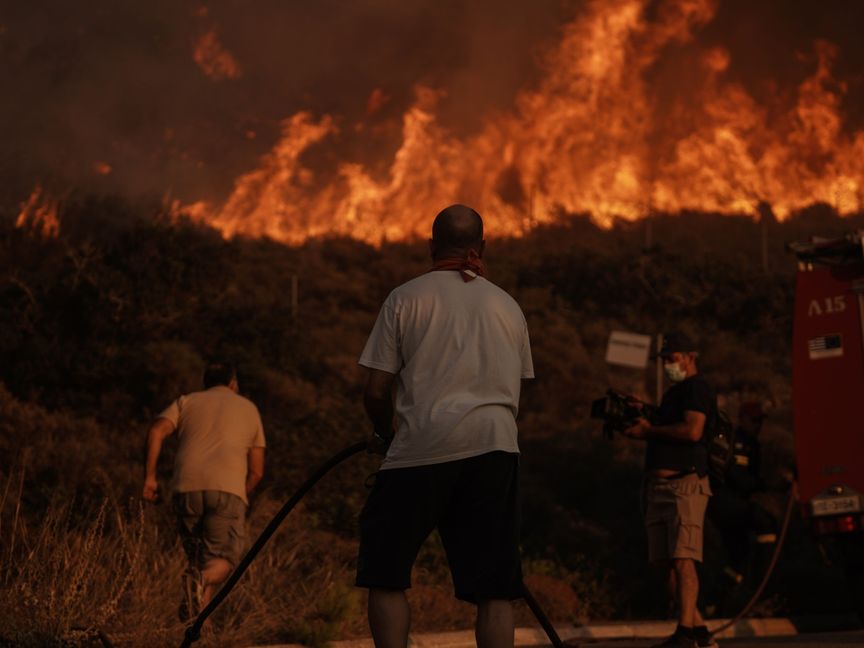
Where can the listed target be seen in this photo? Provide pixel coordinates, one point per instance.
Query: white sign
(628, 349)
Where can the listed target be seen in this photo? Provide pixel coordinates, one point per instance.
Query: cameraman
(676, 488)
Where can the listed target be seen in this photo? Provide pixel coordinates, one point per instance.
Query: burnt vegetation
(102, 326)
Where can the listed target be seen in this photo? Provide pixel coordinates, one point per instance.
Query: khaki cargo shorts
(674, 511)
(212, 524)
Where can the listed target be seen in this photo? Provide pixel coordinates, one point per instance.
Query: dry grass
(62, 580)
(73, 574)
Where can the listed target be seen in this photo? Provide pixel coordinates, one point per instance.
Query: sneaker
(704, 639)
(677, 640)
(193, 589)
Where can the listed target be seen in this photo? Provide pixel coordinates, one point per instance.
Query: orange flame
(38, 214)
(588, 139)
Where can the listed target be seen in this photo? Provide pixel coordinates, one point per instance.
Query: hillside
(101, 327)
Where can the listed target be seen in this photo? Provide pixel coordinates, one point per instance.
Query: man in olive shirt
(676, 489)
(219, 461)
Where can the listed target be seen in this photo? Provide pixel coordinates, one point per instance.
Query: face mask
(674, 372)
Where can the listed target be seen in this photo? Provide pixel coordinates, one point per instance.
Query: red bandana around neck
(469, 268)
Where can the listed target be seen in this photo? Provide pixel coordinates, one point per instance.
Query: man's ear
(234, 386)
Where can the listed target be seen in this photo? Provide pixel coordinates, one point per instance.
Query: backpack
(719, 438)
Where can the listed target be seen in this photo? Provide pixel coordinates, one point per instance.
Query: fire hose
(193, 632)
(787, 516)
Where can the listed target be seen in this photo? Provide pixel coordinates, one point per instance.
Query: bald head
(456, 230)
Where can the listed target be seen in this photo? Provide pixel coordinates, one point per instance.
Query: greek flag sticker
(827, 346)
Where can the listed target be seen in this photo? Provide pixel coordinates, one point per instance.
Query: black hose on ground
(541, 617)
(793, 497)
(193, 632)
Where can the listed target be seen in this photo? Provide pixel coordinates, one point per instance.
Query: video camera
(618, 411)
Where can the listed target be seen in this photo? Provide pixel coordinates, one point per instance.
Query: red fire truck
(828, 383)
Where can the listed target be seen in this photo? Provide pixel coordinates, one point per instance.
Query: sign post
(659, 363)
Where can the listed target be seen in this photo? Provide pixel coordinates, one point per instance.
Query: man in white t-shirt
(219, 460)
(456, 347)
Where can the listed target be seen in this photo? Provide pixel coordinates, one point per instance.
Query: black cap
(675, 342)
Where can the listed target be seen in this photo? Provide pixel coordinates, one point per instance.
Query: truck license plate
(833, 505)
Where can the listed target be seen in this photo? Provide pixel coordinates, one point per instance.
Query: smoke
(183, 97)
(117, 83)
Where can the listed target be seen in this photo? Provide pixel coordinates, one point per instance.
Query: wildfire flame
(38, 214)
(590, 137)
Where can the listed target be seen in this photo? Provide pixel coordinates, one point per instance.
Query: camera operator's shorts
(674, 511)
(212, 524)
(474, 504)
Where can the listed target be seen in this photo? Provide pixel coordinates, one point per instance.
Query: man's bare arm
(255, 468)
(378, 401)
(158, 432)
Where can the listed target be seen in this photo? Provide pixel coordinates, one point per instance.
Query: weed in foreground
(63, 583)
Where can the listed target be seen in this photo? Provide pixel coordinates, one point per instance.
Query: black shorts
(473, 502)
